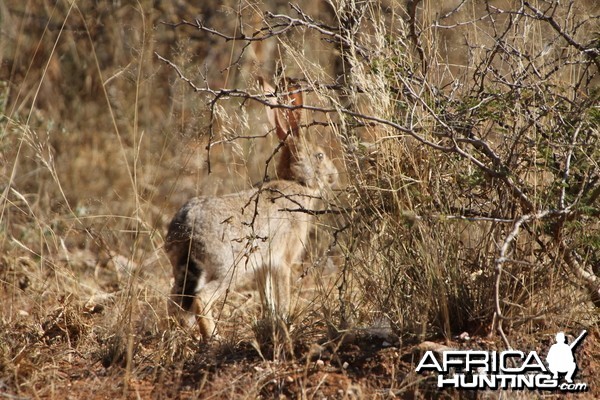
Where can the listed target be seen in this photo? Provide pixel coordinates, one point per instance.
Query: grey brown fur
(215, 243)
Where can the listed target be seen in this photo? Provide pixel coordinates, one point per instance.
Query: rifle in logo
(560, 357)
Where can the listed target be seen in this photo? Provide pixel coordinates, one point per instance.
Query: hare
(216, 242)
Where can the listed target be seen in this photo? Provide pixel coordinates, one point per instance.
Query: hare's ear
(285, 121)
(293, 98)
(268, 89)
(292, 117)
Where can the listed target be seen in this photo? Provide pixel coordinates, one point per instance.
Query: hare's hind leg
(177, 313)
(185, 307)
(181, 304)
(202, 307)
(189, 298)
(204, 319)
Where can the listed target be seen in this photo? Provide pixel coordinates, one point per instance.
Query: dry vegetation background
(466, 132)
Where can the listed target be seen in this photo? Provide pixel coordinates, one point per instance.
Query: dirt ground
(358, 366)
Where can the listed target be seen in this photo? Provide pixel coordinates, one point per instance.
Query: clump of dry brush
(479, 212)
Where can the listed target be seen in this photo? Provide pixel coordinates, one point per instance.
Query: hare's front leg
(274, 288)
(282, 276)
(181, 302)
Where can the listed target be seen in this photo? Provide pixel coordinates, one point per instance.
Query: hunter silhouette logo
(560, 356)
(508, 369)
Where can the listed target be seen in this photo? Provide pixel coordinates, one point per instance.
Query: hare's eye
(320, 156)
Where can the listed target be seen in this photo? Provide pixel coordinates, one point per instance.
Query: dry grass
(449, 129)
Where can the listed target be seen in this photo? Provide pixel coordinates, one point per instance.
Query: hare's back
(271, 218)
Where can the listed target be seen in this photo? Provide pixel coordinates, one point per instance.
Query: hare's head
(300, 160)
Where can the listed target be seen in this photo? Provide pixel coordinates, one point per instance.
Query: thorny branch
(592, 52)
